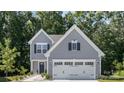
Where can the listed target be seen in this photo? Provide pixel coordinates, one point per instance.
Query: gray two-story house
(69, 56)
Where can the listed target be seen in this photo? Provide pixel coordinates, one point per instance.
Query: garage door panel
(74, 72)
(59, 72)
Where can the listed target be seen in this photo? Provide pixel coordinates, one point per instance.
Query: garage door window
(57, 63)
(88, 63)
(68, 63)
(78, 63)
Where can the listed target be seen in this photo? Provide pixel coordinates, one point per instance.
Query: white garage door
(74, 69)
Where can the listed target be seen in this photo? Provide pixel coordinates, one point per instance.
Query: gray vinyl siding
(50, 67)
(98, 69)
(86, 50)
(35, 67)
(41, 38)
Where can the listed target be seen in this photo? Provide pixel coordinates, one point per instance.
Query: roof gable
(74, 27)
(40, 31)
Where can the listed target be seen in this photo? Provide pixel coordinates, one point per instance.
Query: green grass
(116, 77)
(3, 79)
(100, 80)
(11, 78)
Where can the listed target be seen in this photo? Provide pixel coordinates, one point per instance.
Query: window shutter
(48, 46)
(34, 48)
(78, 46)
(69, 46)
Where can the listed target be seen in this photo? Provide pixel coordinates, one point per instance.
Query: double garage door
(74, 69)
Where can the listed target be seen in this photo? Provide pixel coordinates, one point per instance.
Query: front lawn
(3, 79)
(100, 80)
(112, 78)
(13, 78)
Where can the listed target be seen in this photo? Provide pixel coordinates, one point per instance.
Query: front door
(41, 67)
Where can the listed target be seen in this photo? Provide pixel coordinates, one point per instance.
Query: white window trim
(39, 60)
(41, 43)
(74, 41)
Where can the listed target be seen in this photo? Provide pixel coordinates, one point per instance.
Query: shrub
(45, 75)
(23, 70)
(119, 73)
(29, 73)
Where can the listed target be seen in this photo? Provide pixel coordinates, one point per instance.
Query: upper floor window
(41, 47)
(74, 45)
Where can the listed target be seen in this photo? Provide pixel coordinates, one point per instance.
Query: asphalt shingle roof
(55, 37)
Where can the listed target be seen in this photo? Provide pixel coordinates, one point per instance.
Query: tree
(52, 22)
(8, 56)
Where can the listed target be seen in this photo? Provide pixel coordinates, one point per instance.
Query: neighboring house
(69, 56)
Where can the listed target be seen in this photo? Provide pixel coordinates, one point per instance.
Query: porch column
(38, 67)
(31, 67)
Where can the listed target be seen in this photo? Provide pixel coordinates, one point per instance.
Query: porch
(38, 66)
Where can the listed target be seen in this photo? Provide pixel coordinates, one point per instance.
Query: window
(57, 63)
(68, 63)
(78, 63)
(74, 45)
(41, 47)
(88, 63)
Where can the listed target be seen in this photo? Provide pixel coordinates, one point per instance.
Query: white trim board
(82, 34)
(74, 60)
(38, 34)
(42, 60)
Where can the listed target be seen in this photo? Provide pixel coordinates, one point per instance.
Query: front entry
(41, 67)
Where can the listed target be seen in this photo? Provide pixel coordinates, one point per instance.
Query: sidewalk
(34, 78)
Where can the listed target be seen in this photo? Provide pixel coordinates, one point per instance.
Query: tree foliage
(8, 57)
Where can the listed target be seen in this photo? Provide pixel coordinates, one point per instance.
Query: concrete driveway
(34, 78)
(75, 80)
(39, 78)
